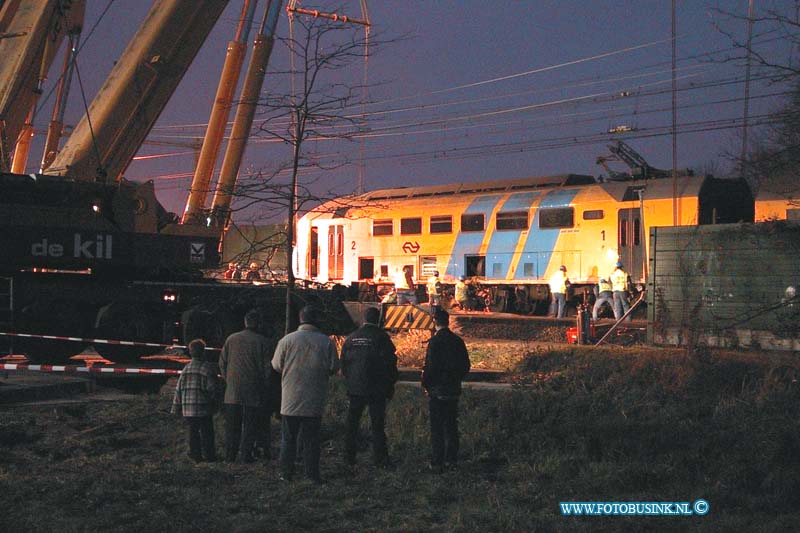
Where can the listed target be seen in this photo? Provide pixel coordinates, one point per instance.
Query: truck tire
(53, 317)
(127, 321)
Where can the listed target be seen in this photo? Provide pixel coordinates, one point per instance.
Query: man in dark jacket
(270, 402)
(245, 366)
(369, 365)
(446, 365)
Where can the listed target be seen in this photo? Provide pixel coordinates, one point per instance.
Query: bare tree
(774, 161)
(769, 26)
(324, 104)
(771, 158)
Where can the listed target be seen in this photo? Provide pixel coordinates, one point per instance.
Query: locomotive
(509, 236)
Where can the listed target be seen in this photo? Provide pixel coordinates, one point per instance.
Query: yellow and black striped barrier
(407, 316)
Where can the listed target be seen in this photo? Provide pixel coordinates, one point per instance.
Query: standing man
(434, 287)
(604, 295)
(369, 366)
(305, 359)
(619, 282)
(446, 365)
(253, 274)
(270, 402)
(558, 289)
(228, 274)
(244, 364)
(404, 284)
(462, 294)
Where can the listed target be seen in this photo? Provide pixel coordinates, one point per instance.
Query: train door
(630, 242)
(476, 265)
(366, 268)
(313, 253)
(336, 252)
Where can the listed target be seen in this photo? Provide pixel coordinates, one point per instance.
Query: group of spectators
(261, 378)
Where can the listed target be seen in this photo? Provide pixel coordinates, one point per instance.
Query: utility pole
(675, 207)
(746, 114)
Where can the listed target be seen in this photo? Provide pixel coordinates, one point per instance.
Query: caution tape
(97, 341)
(407, 317)
(89, 369)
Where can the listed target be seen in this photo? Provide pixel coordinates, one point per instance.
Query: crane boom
(245, 112)
(218, 120)
(137, 90)
(30, 33)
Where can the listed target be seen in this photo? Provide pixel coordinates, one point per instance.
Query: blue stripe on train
(538, 248)
(469, 243)
(501, 248)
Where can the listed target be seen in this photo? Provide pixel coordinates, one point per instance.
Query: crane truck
(88, 254)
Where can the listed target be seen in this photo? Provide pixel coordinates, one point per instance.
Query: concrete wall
(725, 285)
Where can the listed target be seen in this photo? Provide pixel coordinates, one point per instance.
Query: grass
(492, 354)
(582, 425)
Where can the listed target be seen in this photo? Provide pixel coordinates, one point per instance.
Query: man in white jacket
(305, 359)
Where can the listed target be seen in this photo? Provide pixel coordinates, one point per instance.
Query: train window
(442, 224)
(382, 227)
(561, 217)
(384, 271)
(427, 265)
(472, 222)
(497, 270)
(410, 226)
(340, 243)
(623, 232)
(594, 214)
(527, 270)
(637, 232)
(512, 220)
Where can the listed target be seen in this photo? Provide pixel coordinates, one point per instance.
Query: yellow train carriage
(777, 199)
(510, 235)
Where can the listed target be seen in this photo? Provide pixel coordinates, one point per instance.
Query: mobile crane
(86, 252)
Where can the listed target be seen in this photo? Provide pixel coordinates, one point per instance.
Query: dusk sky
(482, 90)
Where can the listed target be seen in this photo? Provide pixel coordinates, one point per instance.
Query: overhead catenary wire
(414, 128)
(483, 122)
(514, 75)
(608, 96)
(427, 107)
(551, 143)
